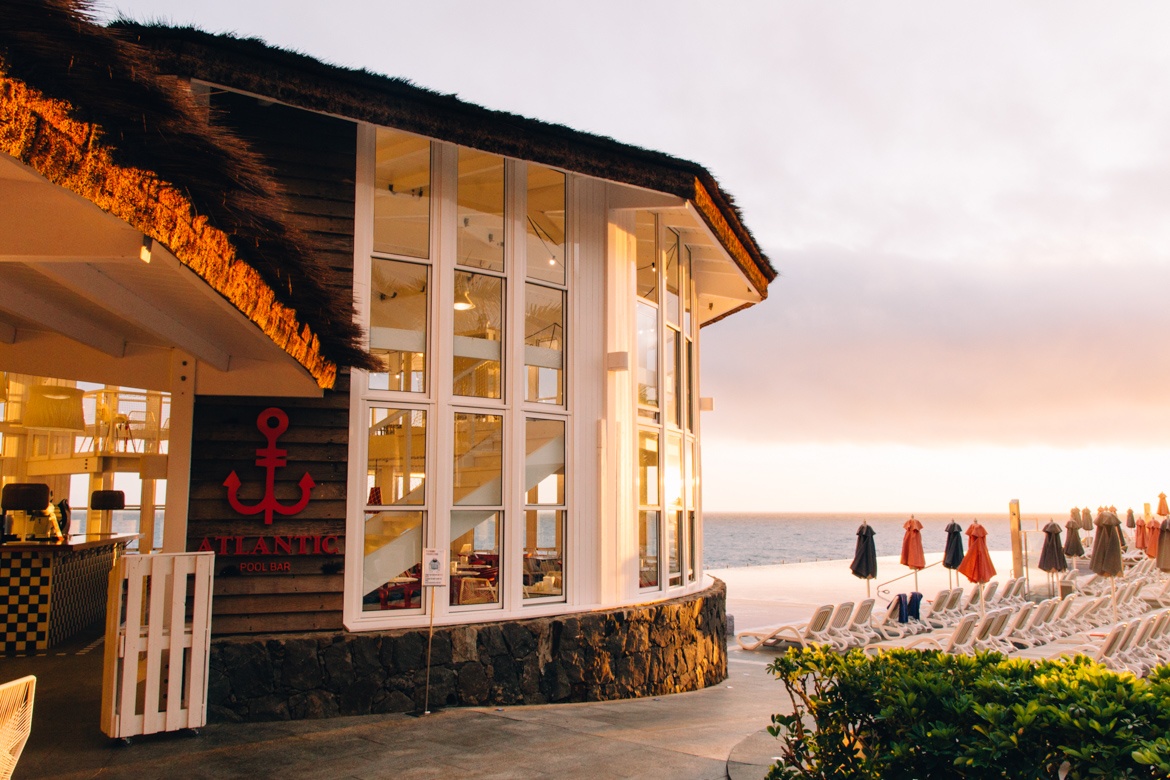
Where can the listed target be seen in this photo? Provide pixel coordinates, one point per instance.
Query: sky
(966, 204)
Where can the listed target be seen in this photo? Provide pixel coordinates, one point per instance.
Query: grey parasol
(1052, 555)
(865, 556)
(1163, 560)
(1072, 543)
(1086, 519)
(1106, 558)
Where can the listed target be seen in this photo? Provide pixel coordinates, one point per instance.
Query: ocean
(732, 540)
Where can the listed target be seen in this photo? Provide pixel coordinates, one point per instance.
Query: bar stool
(105, 501)
(25, 497)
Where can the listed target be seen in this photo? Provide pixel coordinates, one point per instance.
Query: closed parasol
(977, 566)
(1139, 534)
(865, 557)
(1106, 558)
(1086, 520)
(1153, 532)
(912, 548)
(1163, 509)
(1163, 560)
(1129, 521)
(953, 554)
(1072, 543)
(1052, 554)
(1052, 558)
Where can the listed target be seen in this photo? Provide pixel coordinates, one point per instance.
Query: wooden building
(385, 321)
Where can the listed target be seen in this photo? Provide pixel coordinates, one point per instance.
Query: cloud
(856, 347)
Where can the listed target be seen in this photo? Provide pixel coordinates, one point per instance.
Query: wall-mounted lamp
(707, 404)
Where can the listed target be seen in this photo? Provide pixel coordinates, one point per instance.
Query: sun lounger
(888, 626)
(859, 630)
(813, 631)
(990, 629)
(1098, 651)
(956, 641)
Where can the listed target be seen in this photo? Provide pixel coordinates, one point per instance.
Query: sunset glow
(965, 204)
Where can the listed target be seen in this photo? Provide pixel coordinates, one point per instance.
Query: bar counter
(52, 590)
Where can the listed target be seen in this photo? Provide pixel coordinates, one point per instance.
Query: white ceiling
(78, 301)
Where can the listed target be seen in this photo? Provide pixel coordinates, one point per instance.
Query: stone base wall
(642, 650)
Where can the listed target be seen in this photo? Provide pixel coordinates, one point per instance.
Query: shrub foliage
(909, 714)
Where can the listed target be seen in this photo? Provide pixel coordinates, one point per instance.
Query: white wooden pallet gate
(158, 638)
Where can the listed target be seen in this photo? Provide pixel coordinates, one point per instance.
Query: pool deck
(714, 733)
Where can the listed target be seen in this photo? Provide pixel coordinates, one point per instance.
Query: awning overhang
(86, 296)
(724, 283)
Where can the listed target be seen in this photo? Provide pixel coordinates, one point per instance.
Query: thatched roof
(85, 108)
(252, 66)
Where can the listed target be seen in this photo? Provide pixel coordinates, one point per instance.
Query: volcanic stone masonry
(641, 650)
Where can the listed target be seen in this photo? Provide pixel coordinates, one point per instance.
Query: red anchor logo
(270, 458)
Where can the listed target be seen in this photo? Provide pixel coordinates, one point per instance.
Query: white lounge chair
(859, 631)
(812, 632)
(1097, 651)
(956, 641)
(16, 709)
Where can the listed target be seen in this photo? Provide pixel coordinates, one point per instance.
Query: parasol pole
(1113, 594)
(867, 579)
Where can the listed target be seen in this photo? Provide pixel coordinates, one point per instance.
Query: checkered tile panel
(25, 592)
(80, 581)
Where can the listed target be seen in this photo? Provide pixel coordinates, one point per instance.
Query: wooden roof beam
(91, 283)
(29, 304)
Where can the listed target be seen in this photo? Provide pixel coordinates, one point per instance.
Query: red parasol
(912, 548)
(1153, 530)
(977, 566)
(1162, 508)
(1139, 534)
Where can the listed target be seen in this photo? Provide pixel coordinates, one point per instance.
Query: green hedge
(906, 714)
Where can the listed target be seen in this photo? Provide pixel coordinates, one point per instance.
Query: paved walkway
(713, 733)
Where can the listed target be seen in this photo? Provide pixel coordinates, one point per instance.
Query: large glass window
(402, 194)
(666, 401)
(544, 344)
(544, 511)
(645, 231)
(546, 225)
(395, 481)
(480, 219)
(670, 273)
(476, 531)
(647, 359)
(508, 223)
(477, 359)
(398, 325)
(673, 488)
(649, 513)
(479, 453)
(670, 376)
(475, 557)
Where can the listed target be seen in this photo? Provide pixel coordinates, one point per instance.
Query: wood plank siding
(313, 157)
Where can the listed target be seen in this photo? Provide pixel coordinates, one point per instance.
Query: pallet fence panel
(176, 702)
(157, 637)
(200, 639)
(155, 676)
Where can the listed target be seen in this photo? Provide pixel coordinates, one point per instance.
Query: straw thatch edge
(252, 66)
(40, 132)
